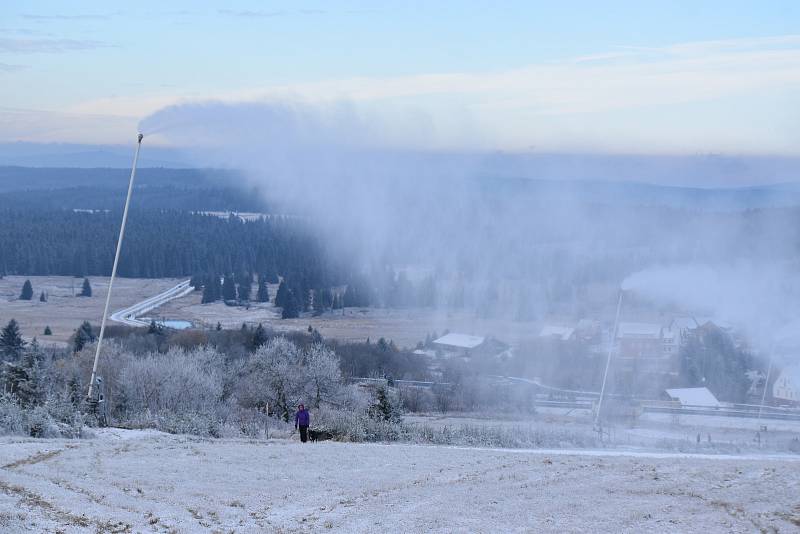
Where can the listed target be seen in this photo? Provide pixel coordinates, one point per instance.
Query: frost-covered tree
(273, 377)
(24, 378)
(324, 375)
(175, 382)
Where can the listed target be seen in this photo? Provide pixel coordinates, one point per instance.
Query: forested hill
(158, 243)
(66, 222)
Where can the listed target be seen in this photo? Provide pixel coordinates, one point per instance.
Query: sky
(682, 77)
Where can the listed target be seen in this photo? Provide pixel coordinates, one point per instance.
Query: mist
(552, 239)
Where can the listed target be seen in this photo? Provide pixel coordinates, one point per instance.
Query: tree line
(160, 244)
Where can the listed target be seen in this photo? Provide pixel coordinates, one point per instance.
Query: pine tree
(27, 291)
(245, 287)
(24, 379)
(385, 407)
(47, 331)
(290, 308)
(280, 296)
(263, 291)
(83, 335)
(196, 282)
(211, 290)
(11, 342)
(42, 297)
(86, 291)
(228, 288)
(259, 336)
(219, 326)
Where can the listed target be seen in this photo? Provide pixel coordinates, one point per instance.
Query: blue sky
(686, 77)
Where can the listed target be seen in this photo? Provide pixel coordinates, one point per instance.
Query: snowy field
(144, 481)
(64, 312)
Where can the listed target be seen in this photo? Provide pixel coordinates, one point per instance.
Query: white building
(561, 333)
(787, 386)
(458, 344)
(694, 397)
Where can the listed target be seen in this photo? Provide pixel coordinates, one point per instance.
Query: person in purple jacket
(301, 421)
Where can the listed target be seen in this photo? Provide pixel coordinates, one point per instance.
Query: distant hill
(73, 155)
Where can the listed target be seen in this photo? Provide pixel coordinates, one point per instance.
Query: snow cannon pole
(608, 360)
(114, 268)
(766, 384)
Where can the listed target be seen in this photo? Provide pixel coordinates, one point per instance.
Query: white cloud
(545, 103)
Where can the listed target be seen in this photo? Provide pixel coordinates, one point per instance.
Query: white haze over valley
(514, 225)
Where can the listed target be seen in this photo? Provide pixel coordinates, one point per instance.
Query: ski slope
(145, 481)
(129, 315)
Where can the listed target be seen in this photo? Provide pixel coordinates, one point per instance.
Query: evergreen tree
(219, 326)
(280, 296)
(86, 291)
(47, 331)
(259, 336)
(11, 342)
(24, 379)
(323, 300)
(27, 291)
(290, 308)
(229, 288)
(385, 407)
(245, 287)
(196, 282)
(263, 291)
(42, 297)
(82, 336)
(154, 327)
(305, 302)
(211, 289)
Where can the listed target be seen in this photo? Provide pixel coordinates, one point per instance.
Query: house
(647, 348)
(683, 326)
(786, 389)
(560, 333)
(693, 397)
(458, 345)
(639, 340)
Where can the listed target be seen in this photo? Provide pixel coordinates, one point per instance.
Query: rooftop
(694, 397)
(462, 341)
(561, 332)
(639, 330)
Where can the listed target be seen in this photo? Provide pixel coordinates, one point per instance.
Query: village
(686, 361)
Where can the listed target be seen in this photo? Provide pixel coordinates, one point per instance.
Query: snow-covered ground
(144, 481)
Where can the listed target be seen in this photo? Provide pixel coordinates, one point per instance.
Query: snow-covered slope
(150, 482)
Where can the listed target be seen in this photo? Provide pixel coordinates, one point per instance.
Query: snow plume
(506, 238)
(760, 298)
(356, 176)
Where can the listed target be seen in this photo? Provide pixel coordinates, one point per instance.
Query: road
(129, 315)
